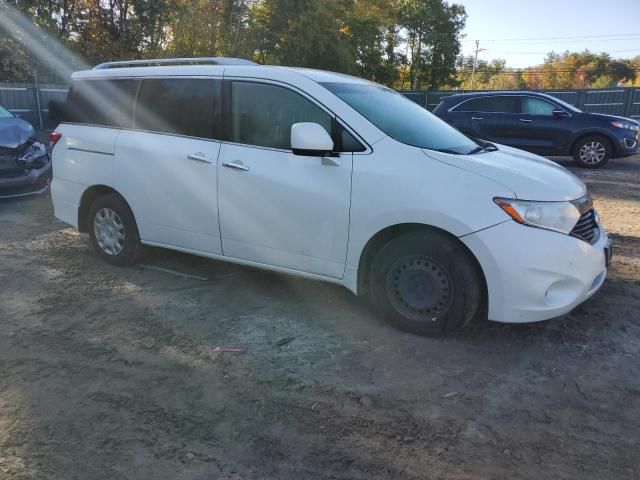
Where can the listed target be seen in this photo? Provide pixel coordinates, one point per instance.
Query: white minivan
(326, 176)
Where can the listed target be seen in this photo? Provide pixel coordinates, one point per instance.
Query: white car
(325, 176)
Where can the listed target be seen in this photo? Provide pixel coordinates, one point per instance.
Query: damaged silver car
(25, 165)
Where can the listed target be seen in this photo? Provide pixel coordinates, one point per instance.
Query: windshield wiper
(487, 147)
(445, 150)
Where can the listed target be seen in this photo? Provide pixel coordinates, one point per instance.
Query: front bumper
(534, 274)
(628, 145)
(33, 182)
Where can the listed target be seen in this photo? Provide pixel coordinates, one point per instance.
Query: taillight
(53, 138)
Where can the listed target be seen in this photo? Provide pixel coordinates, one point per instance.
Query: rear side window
(181, 106)
(537, 106)
(101, 102)
(493, 104)
(262, 114)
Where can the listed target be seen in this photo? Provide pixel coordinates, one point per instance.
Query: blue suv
(541, 124)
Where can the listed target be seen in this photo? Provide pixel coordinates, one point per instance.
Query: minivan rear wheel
(593, 151)
(113, 231)
(425, 283)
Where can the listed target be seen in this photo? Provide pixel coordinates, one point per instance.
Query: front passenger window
(537, 106)
(262, 114)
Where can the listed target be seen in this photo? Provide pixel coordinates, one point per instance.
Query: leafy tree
(579, 70)
(490, 75)
(372, 34)
(603, 81)
(306, 33)
(433, 29)
(401, 43)
(14, 60)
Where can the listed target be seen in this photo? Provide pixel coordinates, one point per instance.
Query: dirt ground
(109, 373)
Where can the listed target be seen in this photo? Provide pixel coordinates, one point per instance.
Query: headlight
(626, 126)
(556, 216)
(33, 152)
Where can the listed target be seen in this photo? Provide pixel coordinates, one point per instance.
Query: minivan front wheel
(592, 152)
(425, 283)
(113, 231)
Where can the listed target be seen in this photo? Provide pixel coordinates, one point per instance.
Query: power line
(528, 72)
(538, 69)
(610, 37)
(544, 53)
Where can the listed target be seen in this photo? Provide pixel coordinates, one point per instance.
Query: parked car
(25, 168)
(541, 124)
(325, 176)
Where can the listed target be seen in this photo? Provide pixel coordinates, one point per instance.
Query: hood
(612, 118)
(15, 132)
(529, 176)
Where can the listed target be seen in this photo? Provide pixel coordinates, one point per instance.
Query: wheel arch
(382, 237)
(88, 197)
(591, 133)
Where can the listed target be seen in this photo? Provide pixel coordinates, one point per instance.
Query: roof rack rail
(175, 61)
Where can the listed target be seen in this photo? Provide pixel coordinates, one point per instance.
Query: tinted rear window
(497, 104)
(101, 102)
(185, 106)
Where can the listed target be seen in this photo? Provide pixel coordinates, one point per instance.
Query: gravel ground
(110, 373)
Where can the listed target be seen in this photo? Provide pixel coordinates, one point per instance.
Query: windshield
(402, 119)
(5, 113)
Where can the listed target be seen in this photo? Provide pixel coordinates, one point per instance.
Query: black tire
(426, 283)
(126, 249)
(593, 151)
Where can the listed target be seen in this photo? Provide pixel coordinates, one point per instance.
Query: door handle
(238, 165)
(526, 120)
(477, 118)
(199, 157)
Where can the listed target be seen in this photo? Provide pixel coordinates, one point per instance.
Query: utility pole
(475, 62)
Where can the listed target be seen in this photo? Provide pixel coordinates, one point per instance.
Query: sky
(523, 31)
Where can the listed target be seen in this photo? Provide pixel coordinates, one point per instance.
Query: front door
(277, 208)
(538, 130)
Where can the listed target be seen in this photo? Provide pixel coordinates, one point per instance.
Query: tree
(579, 70)
(602, 81)
(305, 33)
(372, 35)
(14, 60)
(433, 30)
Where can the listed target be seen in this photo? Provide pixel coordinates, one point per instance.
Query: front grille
(12, 172)
(587, 227)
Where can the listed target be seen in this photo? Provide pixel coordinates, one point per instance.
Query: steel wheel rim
(419, 288)
(592, 153)
(109, 231)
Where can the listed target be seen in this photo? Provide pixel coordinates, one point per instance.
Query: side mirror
(310, 139)
(558, 112)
